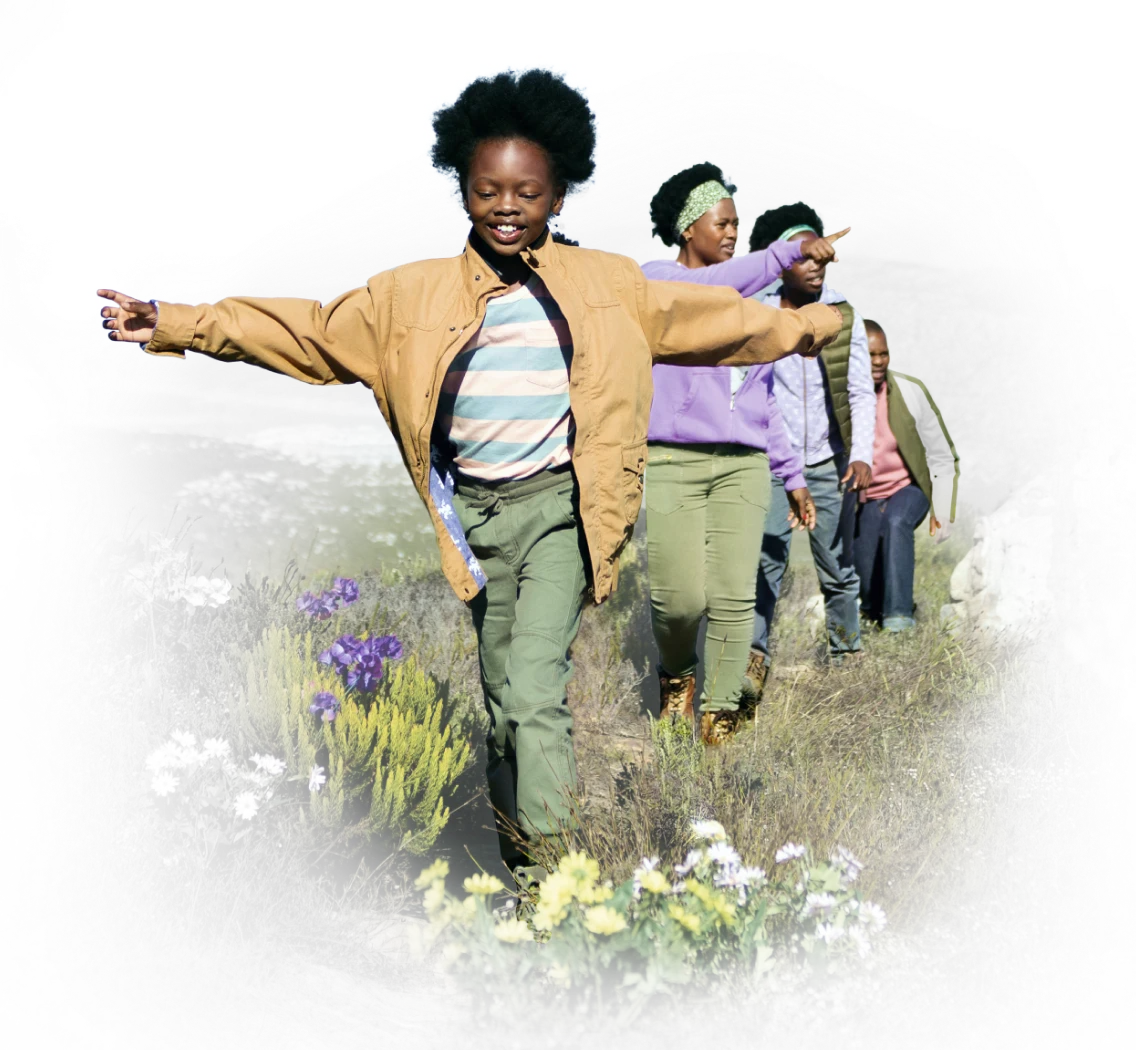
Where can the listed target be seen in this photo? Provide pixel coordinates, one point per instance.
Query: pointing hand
(129, 320)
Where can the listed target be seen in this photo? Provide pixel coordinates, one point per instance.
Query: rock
(1054, 561)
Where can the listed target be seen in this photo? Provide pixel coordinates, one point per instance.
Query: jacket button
(452, 327)
(477, 277)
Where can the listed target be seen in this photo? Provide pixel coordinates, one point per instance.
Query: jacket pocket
(634, 465)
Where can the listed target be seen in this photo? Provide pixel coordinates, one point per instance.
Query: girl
(516, 379)
(713, 437)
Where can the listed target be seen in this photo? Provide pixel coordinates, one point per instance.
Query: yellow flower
(604, 921)
(434, 899)
(560, 975)
(558, 890)
(513, 931)
(548, 917)
(452, 952)
(687, 920)
(435, 873)
(654, 882)
(580, 866)
(593, 894)
(711, 899)
(483, 885)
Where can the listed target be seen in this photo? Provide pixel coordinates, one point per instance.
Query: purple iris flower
(326, 704)
(307, 602)
(347, 590)
(341, 652)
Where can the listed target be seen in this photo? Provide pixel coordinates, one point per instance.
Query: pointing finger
(836, 236)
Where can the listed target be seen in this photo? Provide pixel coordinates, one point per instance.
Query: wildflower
(828, 932)
(340, 653)
(483, 885)
(169, 754)
(199, 592)
(512, 931)
(437, 872)
(433, 901)
(819, 902)
(604, 921)
(687, 920)
(368, 663)
(872, 915)
(346, 589)
(326, 704)
(654, 882)
(164, 783)
(579, 866)
(692, 858)
(246, 805)
(316, 779)
(724, 855)
(268, 764)
(647, 864)
(556, 893)
(307, 603)
(858, 937)
(847, 863)
(216, 748)
(452, 952)
(710, 830)
(790, 851)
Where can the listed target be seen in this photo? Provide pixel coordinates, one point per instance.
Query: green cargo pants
(706, 508)
(526, 535)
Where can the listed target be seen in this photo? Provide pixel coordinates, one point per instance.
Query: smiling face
(509, 193)
(805, 276)
(713, 237)
(881, 357)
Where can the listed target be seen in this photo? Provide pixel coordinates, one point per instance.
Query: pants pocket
(663, 482)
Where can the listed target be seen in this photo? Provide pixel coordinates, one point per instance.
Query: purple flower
(388, 647)
(306, 603)
(341, 652)
(327, 604)
(347, 590)
(326, 704)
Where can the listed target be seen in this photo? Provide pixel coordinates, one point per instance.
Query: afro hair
(537, 106)
(771, 224)
(671, 198)
(559, 238)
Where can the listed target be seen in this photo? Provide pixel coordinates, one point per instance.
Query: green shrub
(390, 759)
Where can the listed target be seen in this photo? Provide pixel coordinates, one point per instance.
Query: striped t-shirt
(504, 402)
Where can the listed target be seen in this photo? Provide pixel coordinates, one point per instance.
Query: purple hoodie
(696, 405)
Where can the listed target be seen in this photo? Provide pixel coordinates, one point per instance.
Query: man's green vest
(907, 438)
(834, 359)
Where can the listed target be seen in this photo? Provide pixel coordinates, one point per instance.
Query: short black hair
(536, 105)
(874, 326)
(559, 238)
(771, 224)
(671, 198)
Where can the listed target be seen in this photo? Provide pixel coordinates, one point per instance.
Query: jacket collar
(479, 269)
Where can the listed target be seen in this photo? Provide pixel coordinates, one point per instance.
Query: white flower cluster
(165, 575)
(181, 755)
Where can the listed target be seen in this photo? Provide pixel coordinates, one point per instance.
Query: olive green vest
(834, 358)
(907, 437)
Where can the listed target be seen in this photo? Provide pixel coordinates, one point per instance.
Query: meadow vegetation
(871, 757)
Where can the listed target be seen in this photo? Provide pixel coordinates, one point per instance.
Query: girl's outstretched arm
(342, 342)
(686, 324)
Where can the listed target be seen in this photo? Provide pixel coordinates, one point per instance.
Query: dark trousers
(884, 549)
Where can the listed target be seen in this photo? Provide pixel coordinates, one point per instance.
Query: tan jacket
(400, 333)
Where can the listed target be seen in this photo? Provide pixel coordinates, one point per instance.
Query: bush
(389, 760)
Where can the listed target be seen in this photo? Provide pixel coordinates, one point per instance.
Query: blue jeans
(832, 556)
(885, 553)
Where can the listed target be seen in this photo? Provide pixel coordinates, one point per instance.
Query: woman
(714, 435)
(516, 380)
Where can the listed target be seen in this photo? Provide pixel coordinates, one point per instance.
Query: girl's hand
(940, 528)
(821, 250)
(129, 320)
(802, 510)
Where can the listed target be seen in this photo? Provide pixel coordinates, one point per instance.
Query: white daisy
(268, 764)
(216, 748)
(692, 858)
(819, 902)
(246, 805)
(164, 783)
(724, 855)
(790, 851)
(316, 779)
(872, 915)
(710, 830)
(828, 933)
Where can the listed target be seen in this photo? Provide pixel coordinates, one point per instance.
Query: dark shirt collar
(509, 268)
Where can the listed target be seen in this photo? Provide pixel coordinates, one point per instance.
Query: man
(827, 408)
(913, 456)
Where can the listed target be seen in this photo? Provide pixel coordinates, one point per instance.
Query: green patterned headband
(701, 200)
(792, 231)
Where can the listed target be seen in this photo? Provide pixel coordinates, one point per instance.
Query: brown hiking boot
(718, 726)
(753, 684)
(676, 696)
